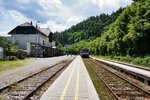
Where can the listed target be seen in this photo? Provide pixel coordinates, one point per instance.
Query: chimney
(31, 22)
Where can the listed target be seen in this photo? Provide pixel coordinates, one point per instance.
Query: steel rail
(105, 84)
(103, 65)
(126, 80)
(32, 91)
(27, 96)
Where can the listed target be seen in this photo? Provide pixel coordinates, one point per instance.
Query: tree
(8, 46)
(59, 46)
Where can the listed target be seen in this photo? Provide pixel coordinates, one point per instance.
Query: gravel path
(33, 66)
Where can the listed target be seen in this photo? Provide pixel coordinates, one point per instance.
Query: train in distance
(84, 53)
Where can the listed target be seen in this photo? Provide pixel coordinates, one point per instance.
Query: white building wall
(54, 44)
(23, 39)
(43, 38)
(28, 48)
(35, 38)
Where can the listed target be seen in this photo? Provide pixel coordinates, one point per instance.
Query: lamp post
(36, 42)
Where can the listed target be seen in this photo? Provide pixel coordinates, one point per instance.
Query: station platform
(73, 84)
(134, 70)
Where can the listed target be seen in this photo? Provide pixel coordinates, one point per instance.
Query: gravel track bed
(38, 93)
(19, 91)
(121, 88)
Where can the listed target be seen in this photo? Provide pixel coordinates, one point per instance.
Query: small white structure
(1, 53)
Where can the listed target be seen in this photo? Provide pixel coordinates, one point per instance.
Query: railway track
(139, 73)
(25, 88)
(120, 87)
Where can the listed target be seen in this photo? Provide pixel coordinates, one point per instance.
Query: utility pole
(36, 40)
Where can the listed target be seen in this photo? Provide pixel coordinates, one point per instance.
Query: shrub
(137, 61)
(21, 54)
(146, 61)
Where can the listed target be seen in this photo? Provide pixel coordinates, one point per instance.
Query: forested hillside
(125, 32)
(88, 29)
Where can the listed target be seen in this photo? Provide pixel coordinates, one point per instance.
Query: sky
(58, 15)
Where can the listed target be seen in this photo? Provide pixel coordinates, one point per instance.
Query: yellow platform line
(67, 84)
(77, 84)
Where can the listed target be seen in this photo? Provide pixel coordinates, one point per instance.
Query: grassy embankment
(139, 61)
(6, 65)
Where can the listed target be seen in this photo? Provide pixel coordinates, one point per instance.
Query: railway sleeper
(131, 97)
(115, 83)
(123, 89)
(29, 84)
(129, 93)
(119, 86)
(132, 93)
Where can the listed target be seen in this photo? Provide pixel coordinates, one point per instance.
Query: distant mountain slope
(87, 29)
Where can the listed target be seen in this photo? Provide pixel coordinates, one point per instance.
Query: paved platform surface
(128, 68)
(10, 76)
(73, 84)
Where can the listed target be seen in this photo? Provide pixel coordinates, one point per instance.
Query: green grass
(102, 91)
(6, 65)
(139, 61)
(14, 84)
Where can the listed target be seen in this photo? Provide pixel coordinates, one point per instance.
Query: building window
(43, 42)
(25, 32)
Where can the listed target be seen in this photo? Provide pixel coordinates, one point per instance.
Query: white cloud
(53, 26)
(75, 19)
(50, 4)
(54, 8)
(58, 9)
(4, 34)
(104, 4)
(66, 11)
(18, 17)
(10, 19)
(50, 7)
(127, 1)
(46, 13)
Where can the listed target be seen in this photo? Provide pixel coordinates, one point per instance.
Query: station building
(37, 41)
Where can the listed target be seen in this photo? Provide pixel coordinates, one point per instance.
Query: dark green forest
(124, 32)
